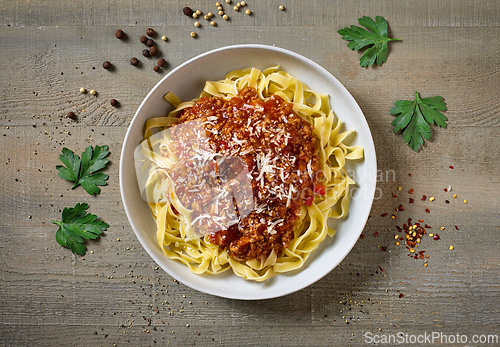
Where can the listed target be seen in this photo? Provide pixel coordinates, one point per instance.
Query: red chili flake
(424, 197)
(394, 195)
(362, 236)
(415, 257)
(383, 249)
(445, 189)
(375, 234)
(436, 237)
(411, 201)
(420, 220)
(381, 268)
(384, 214)
(427, 226)
(401, 208)
(399, 228)
(401, 239)
(456, 227)
(447, 201)
(410, 175)
(401, 295)
(421, 256)
(451, 167)
(427, 210)
(410, 191)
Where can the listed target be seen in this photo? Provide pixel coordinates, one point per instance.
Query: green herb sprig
(377, 37)
(77, 225)
(415, 117)
(84, 171)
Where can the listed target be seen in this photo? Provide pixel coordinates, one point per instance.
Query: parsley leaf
(415, 117)
(83, 171)
(76, 226)
(377, 37)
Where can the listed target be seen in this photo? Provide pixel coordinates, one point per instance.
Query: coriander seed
(195, 15)
(226, 17)
(196, 24)
(248, 12)
(93, 92)
(221, 13)
(82, 90)
(282, 8)
(193, 34)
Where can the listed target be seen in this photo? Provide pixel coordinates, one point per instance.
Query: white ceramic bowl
(186, 81)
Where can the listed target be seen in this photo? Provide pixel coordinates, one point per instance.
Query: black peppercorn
(106, 64)
(161, 62)
(114, 102)
(150, 43)
(143, 39)
(71, 115)
(156, 68)
(145, 53)
(134, 61)
(153, 51)
(150, 32)
(120, 34)
(187, 11)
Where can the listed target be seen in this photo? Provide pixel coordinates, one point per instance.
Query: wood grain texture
(116, 294)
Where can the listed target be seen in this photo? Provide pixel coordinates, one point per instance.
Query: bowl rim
(123, 160)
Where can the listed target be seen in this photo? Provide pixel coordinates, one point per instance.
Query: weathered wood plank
(425, 13)
(461, 64)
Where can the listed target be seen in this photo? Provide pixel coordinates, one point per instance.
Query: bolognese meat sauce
(279, 149)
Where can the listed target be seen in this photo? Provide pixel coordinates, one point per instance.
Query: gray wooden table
(116, 296)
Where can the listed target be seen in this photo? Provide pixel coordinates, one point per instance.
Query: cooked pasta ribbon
(172, 219)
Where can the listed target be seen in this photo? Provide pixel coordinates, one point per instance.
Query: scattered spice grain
(282, 8)
(164, 38)
(451, 248)
(248, 12)
(212, 23)
(150, 43)
(71, 115)
(120, 34)
(156, 68)
(187, 11)
(150, 32)
(226, 17)
(93, 92)
(196, 24)
(134, 61)
(106, 65)
(193, 34)
(153, 51)
(161, 62)
(82, 90)
(143, 39)
(114, 102)
(145, 53)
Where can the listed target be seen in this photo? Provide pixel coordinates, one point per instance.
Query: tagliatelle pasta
(268, 174)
